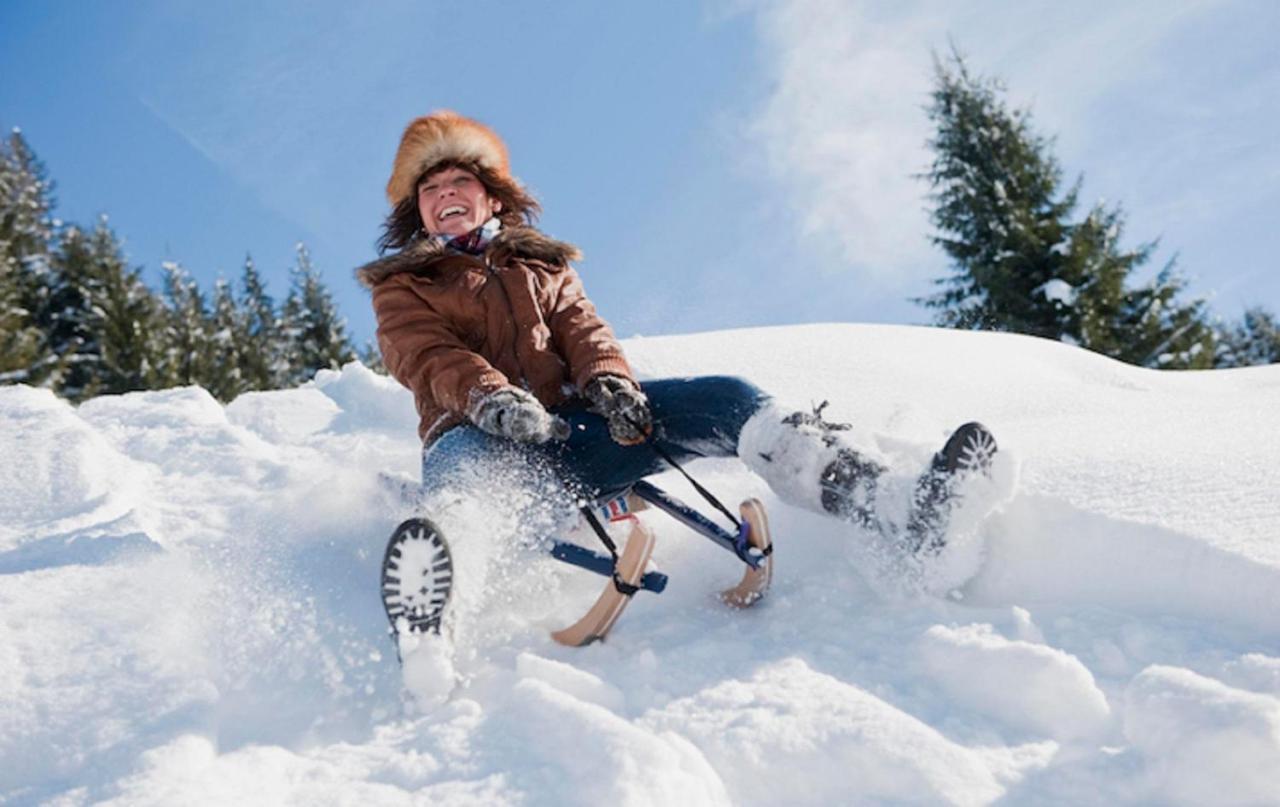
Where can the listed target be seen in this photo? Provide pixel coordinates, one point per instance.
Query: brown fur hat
(444, 135)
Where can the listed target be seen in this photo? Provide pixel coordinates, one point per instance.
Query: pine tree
(188, 357)
(994, 185)
(1163, 333)
(1252, 341)
(263, 363)
(70, 319)
(315, 332)
(20, 343)
(129, 316)
(1019, 263)
(99, 318)
(26, 238)
(228, 345)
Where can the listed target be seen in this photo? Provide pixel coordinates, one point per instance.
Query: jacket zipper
(511, 309)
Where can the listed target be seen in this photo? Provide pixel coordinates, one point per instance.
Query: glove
(621, 403)
(515, 414)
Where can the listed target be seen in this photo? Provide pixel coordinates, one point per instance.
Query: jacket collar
(511, 243)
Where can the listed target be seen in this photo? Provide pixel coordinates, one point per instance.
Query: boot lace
(814, 420)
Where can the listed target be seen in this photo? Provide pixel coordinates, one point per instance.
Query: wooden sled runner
(626, 570)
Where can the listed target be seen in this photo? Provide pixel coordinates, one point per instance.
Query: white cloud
(842, 129)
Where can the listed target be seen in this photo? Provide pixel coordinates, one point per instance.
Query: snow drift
(189, 609)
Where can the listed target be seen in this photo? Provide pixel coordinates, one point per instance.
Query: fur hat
(444, 135)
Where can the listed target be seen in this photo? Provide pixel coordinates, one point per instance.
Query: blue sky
(721, 164)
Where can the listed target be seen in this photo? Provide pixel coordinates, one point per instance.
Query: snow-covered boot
(828, 467)
(849, 486)
(970, 450)
(812, 463)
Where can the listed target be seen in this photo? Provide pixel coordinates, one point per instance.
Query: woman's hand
(623, 406)
(515, 414)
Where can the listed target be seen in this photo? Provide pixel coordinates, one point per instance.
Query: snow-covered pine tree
(188, 341)
(1254, 340)
(71, 318)
(316, 333)
(1159, 331)
(1001, 210)
(128, 314)
(264, 362)
(1019, 263)
(228, 344)
(26, 242)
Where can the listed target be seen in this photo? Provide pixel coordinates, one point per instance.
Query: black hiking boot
(970, 450)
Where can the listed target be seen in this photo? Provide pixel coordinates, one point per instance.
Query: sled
(626, 570)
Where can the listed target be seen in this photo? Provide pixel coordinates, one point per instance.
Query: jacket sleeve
(423, 352)
(585, 340)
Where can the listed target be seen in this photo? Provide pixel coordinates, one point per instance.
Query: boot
(849, 484)
(811, 462)
(970, 450)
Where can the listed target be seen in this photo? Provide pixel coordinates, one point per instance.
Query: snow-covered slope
(189, 609)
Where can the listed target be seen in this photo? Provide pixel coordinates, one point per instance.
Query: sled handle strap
(589, 514)
(623, 587)
(706, 494)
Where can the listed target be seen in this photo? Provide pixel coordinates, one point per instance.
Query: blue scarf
(473, 242)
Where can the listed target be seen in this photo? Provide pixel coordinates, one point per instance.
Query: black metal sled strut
(656, 582)
(735, 543)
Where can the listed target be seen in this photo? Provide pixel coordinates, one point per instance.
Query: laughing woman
(485, 320)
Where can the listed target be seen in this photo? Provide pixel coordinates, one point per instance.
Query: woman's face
(454, 201)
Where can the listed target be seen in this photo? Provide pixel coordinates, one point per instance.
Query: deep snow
(189, 610)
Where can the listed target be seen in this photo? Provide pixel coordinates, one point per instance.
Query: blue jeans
(692, 417)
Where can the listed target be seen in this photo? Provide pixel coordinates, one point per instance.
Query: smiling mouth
(451, 212)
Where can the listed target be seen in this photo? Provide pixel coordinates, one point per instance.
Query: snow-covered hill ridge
(190, 611)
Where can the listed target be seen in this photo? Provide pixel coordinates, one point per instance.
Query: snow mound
(615, 760)
(1028, 685)
(367, 401)
(287, 416)
(58, 477)
(843, 743)
(569, 679)
(1208, 743)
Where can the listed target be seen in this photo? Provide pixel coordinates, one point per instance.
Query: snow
(1046, 691)
(792, 735)
(429, 674)
(189, 609)
(1059, 291)
(1206, 742)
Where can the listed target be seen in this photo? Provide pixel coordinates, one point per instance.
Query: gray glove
(515, 414)
(622, 405)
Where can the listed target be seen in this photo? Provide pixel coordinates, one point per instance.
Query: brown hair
(404, 223)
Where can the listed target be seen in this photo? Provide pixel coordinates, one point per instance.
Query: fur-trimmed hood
(511, 242)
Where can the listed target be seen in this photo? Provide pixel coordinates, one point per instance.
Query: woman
(485, 320)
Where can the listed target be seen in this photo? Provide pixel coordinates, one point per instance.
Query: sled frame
(751, 543)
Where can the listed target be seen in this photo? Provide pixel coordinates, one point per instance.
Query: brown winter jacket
(454, 327)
